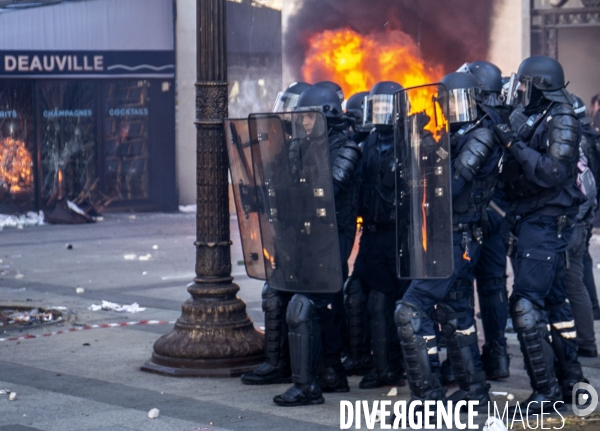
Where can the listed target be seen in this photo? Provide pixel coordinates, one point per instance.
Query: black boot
(385, 372)
(537, 354)
(569, 371)
(418, 354)
(276, 368)
(305, 353)
(333, 379)
(496, 361)
(463, 354)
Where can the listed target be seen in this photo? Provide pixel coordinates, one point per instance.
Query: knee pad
(447, 318)
(524, 313)
(300, 311)
(271, 299)
(353, 292)
(377, 303)
(408, 318)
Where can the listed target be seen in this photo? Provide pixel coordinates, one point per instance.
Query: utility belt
(379, 227)
(562, 221)
(470, 231)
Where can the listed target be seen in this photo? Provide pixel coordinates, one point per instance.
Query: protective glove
(505, 134)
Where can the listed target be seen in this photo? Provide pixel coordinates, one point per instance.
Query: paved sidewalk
(90, 380)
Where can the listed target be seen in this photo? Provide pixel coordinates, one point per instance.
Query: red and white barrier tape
(86, 327)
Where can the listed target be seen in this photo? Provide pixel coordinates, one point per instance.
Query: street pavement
(90, 380)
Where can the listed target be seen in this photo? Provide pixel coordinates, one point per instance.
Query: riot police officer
(474, 168)
(315, 339)
(590, 144)
(375, 264)
(332, 86)
(540, 186)
(287, 100)
(490, 271)
(354, 110)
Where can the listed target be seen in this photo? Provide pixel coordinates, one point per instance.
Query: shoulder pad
(474, 153)
(563, 137)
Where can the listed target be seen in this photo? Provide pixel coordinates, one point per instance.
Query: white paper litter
(192, 208)
(153, 414)
(19, 276)
(111, 306)
(130, 256)
(29, 219)
(5, 391)
(79, 290)
(494, 424)
(154, 247)
(145, 257)
(12, 396)
(393, 392)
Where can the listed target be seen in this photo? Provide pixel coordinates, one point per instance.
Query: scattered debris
(510, 397)
(393, 392)
(111, 306)
(5, 391)
(87, 344)
(144, 272)
(79, 290)
(145, 257)
(132, 217)
(494, 424)
(14, 316)
(29, 219)
(69, 246)
(153, 414)
(155, 247)
(12, 396)
(188, 208)
(19, 276)
(67, 212)
(130, 256)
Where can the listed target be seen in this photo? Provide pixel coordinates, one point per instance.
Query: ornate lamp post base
(214, 337)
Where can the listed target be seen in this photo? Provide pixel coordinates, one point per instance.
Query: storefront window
(67, 120)
(16, 147)
(126, 151)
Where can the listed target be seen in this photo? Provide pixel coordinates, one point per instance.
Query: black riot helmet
(325, 100)
(378, 110)
(286, 100)
(332, 86)
(578, 106)
(463, 92)
(355, 106)
(488, 75)
(541, 76)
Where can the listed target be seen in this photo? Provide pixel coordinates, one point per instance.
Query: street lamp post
(214, 336)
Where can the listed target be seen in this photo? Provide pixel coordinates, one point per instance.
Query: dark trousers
(588, 276)
(539, 266)
(490, 273)
(581, 305)
(425, 294)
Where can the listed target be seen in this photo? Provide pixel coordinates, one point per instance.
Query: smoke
(448, 32)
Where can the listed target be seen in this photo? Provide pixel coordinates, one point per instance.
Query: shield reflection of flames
(269, 258)
(358, 62)
(15, 165)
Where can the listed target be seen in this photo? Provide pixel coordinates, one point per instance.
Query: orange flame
(358, 62)
(15, 165)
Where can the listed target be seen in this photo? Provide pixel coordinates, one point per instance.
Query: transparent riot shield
(297, 218)
(237, 138)
(424, 197)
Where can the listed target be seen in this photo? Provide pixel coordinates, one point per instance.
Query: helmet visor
(378, 110)
(285, 102)
(510, 90)
(462, 106)
(524, 90)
